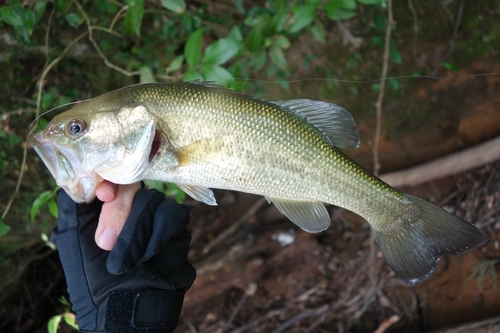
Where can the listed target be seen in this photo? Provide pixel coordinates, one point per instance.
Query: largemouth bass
(201, 136)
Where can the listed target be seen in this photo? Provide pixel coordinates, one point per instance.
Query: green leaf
(191, 75)
(73, 19)
(318, 31)
(213, 72)
(13, 139)
(12, 17)
(450, 66)
(255, 40)
(235, 34)
(346, 4)
(278, 22)
(282, 42)
(192, 49)
(62, 6)
(221, 51)
(146, 76)
(29, 20)
(302, 17)
(177, 6)
(175, 64)
(39, 9)
(277, 57)
(371, 2)
(340, 9)
(4, 229)
(339, 14)
(175, 192)
(259, 60)
(394, 53)
(379, 41)
(379, 22)
(39, 202)
(54, 324)
(54, 211)
(394, 84)
(133, 19)
(70, 319)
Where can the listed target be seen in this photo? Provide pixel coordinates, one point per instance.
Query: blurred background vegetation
(56, 52)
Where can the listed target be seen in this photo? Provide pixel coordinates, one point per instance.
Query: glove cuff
(155, 311)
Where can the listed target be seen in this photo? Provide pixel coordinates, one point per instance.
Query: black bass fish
(201, 136)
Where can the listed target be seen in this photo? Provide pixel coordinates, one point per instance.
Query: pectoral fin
(199, 193)
(311, 216)
(199, 151)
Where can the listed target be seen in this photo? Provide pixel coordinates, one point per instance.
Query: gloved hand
(137, 287)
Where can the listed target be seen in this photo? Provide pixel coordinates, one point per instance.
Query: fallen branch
(386, 324)
(446, 166)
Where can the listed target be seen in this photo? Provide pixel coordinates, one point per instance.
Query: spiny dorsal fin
(335, 122)
(311, 216)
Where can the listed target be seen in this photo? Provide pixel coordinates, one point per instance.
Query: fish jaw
(63, 165)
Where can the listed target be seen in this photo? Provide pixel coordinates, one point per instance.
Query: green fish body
(201, 136)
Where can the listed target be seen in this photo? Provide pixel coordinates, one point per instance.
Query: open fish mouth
(56, 162)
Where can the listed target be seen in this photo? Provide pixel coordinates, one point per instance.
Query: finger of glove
(70, 213)
(170, 221)
(136, 233)
(172, 262)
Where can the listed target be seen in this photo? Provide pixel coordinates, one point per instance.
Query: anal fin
(199, 193)
(311, 216)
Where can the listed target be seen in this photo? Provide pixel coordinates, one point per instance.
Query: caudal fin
(427, 232)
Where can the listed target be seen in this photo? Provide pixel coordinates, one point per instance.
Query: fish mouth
(59, 166)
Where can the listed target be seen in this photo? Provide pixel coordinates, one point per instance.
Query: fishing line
(430, 77)
(324, 79)
(53, 109)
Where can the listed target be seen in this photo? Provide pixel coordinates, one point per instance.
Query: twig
(458, 21)
(302, 315)
(90, 29)
(235, 225)
(386, 324)
(18, 184)
(259, 320)
(380, 98)
(237, 309)
(455, 163)
(415, 35)
(46, 69)
(117, 16)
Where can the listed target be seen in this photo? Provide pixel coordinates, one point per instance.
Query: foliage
(166, 40)
(483, 269)
(69, 318)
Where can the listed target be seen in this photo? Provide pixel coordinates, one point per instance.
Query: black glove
(137, 287)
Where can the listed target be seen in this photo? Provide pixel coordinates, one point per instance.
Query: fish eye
(76, 127)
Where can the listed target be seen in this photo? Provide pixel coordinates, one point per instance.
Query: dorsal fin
(335, 122)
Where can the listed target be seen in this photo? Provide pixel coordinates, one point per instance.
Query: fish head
(82, 147)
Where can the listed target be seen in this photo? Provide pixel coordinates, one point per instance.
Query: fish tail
(424, 233)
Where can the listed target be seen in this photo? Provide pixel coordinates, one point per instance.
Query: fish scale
(211, 137)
